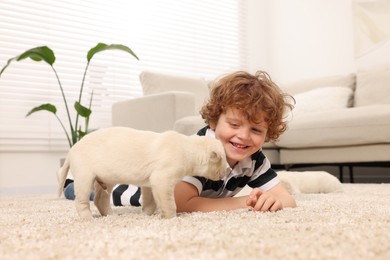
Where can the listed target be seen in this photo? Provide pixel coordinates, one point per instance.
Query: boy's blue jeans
(69, 192)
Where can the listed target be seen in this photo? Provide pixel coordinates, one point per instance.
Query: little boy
(243, 112)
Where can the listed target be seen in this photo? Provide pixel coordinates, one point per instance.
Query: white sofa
(339, 120)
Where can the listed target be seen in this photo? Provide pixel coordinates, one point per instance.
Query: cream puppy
(153, 161)
(310, 182)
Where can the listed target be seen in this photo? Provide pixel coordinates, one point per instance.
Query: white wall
(302, 38)
(29, 172)
(256, 42)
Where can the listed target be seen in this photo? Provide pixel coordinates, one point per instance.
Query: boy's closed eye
(232, 124)
(257, 131)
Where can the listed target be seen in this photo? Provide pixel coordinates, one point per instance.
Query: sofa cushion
(153, 83)
(342, 127)
(320, 99)
(309, 84)
(189, 125)
(336, 154)
(373, 87)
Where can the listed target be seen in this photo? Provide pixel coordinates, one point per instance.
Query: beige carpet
(354, 224)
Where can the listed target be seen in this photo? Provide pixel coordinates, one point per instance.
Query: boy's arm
(188, 200)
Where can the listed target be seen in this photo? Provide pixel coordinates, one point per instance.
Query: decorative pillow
(309, 84)
(322, 99)
(373, 87)
(154, 83)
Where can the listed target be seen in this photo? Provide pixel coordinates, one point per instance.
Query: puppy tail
(62, 173)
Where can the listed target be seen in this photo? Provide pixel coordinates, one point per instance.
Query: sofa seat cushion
(339, 154)
(189, 125)
(343, 127)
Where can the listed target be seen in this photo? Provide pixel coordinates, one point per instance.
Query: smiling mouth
(240, 146)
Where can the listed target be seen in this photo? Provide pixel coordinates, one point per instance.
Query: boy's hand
(263, 201)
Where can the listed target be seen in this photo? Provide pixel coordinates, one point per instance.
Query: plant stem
(66, 133)
(74, 137)
(87, 118)
(81, 92)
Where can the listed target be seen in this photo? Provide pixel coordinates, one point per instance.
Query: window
(188, 37)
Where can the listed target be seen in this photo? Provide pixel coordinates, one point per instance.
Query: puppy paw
(149, 209)
(168, 214)
(86, 216)
(105, 212)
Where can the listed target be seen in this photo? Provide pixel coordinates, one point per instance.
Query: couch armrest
(156, 112)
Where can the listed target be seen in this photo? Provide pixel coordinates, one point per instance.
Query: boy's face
(239, 137)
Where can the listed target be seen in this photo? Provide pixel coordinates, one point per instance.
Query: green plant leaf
(8, 63)
(82, 110)
(36, 54)
(48, 107)
(103, 47)
(81, 134)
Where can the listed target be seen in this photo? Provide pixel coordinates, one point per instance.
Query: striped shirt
(255, 172)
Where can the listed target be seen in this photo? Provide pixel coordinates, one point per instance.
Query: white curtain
(188, 37)
(371, 24)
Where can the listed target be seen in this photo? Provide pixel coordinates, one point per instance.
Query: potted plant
(44, 53)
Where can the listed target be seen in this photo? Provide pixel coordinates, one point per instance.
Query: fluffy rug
(353, 224)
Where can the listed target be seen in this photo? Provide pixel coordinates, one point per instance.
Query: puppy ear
(215, 157)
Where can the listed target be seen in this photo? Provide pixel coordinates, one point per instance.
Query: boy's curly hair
(252, 95)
